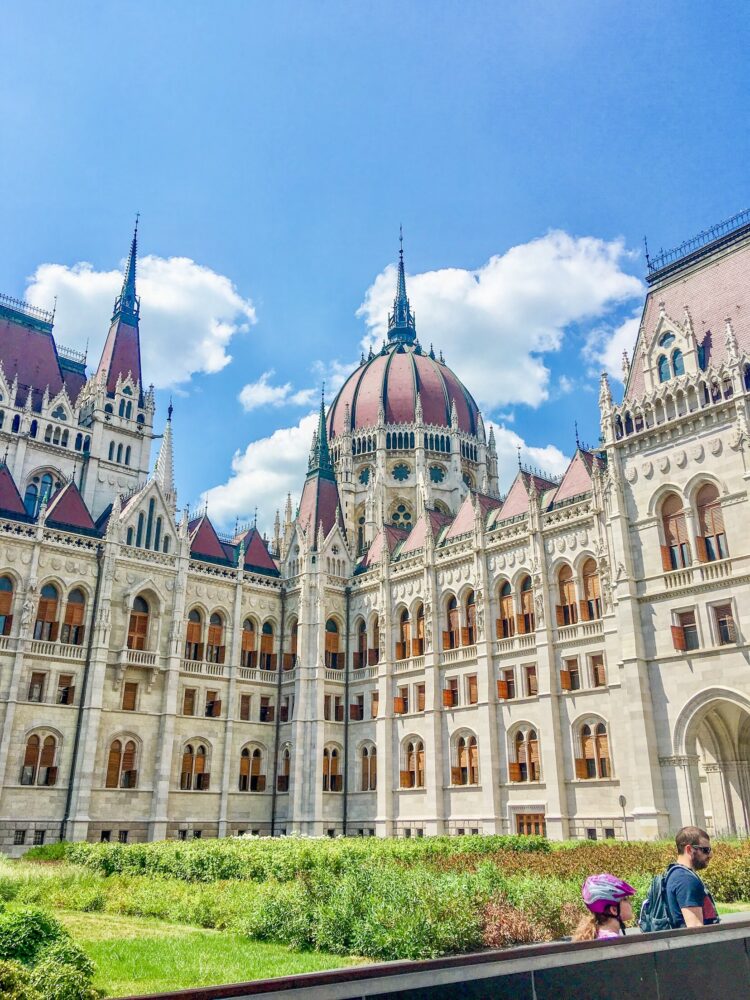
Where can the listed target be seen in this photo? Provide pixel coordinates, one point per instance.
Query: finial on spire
(401, 321)
(170, 410)
(578, 443)
(519, 456)
(255, 518)
(401, 242)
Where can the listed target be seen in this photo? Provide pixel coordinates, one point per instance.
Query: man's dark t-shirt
(686, 889)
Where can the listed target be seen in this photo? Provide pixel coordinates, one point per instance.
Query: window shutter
(354, 713)
(270, 713)
(473, 764)
(514, 771)
(560, 615)
(214, 635)
(50, 778)
(261, 782)
(188, 702)
(7, 624)
(581, 769)
(447, 698)
(6, 599)
(194, 632)
(216, 709)
(465, 636)
(456, 776)
(398, 706)
(731, 629)
(502, 690)
(446, 640)
(400, 650)
(48, 752)
(248, 641)
(417, 647)
(405, 779)
(583, 608)
(332, 642)
(374, 704)
(128, 756)
(129, 694)
(666, 559)
(521, 624)
(565, 682)
(205, 780)
(53, 630)
(534, 751)
(74, 614)
(113, 765)
(603, 745)
(453, 620)
(678, 638)
(588, 748)
(373, 655)
(420, 768)
(499, 628)
(420, 698)
(700, 548)
(473, 690)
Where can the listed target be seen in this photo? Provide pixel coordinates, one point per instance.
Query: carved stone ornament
(550, 546)
(539, 608)
(501, 562)
(680, 459)
(561, 546)
(663, 464)
(573, 543)
(631, 474)
(715, 446)
(647, 469)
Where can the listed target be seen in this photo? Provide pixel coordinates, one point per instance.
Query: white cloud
(604, 346)
(262, 393)
(189, 313)
(263, 474)
(548, 459)
(495, 324)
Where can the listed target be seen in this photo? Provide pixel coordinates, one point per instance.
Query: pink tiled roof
(714, 289)
(121, 354)
(203, 539)
(464, 520)
(432, 521)
(394, 379)
(10, 498)
(256, 552)
(577, 479)
(67, 508)
(517, 500)
(318, 504)
(31, 355)
(387, 538)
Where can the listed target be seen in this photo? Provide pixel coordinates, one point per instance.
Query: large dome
(393, 378)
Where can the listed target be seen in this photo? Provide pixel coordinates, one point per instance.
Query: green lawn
(135, 955)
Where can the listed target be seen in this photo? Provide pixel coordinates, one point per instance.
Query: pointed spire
(127, 303)
(164, 468)
(401, 321)
(320, 456)
(121, 356)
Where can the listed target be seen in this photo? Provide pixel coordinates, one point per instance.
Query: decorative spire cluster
(320, 455)
(401, 327)
(127, 303)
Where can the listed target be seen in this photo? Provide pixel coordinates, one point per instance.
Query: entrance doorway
(717, 741)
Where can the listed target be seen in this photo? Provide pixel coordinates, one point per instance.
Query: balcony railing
(138, 657)
(459, 655)
(56, 650)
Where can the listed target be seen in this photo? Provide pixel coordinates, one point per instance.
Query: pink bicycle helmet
(601, 891)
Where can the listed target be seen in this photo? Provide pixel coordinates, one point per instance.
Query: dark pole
(347, 597)
(278, 714)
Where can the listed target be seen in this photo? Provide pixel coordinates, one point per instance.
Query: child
(608, 899)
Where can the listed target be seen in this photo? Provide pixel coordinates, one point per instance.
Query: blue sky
(272, 151)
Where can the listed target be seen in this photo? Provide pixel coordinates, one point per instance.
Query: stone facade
(571, 657)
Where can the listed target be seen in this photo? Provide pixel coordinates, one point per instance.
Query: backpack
(654, 915)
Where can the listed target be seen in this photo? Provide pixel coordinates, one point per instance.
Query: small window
(685, 632)
(726, 630)
(590, 833)
(106, 836)
(532, 684)
(39, 837)
(609, 833)
(122, 836)
(19, 837)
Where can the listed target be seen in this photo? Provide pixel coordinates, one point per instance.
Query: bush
(66, 952)
(54, 981)
(15, 983)
(24, 932)
(57, 851)
(503, 925)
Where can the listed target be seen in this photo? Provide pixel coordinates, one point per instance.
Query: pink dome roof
(394, 378)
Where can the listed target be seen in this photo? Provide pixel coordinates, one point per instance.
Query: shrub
(24, 932)
(54, 981)
(57, 851)
(15, 983)
(66, 952)
(503, 925)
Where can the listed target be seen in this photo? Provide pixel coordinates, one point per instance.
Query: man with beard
(689, 901)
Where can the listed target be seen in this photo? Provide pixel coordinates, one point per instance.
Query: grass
(136, 955)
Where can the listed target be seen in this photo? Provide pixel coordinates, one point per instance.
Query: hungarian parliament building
(412, 653)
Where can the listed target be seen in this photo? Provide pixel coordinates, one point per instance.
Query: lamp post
(623, 802)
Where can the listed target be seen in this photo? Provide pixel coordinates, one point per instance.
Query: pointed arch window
(290, 658)
(403, 646)
(662, 367)
(6, 605)
(332, 655)
(138, 624)
(121, 765)
(360, 656)
(285, 766)
(452, 636)
(194, 773)
(469, 633)
(39, 761)
(711, 542)
(267, 655)
(252, 770)
(591, 605)
(248, 656)
(524, 765)
(526, 621)
(215, 648)
(31, 499)
(46, 625)
(332, 777)
(73, 627)
(567, 613)
(194, 636)
(675, 552)
(412, 774)
(678, 364)
(417, 644)
(505, 625)
(594, 761)
(368, 768)
(465, 770)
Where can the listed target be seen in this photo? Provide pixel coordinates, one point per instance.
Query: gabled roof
(10, 498)
(464, 520)
(431, 521)
(319, 504)
(66, 509)
(577, 478)
(517, 500)
(204, 542)
(28, 352)
(122, 348)
(387, 538)
(257, 555)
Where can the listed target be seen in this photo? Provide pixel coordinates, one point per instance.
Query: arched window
(252, 770)
(360, 656)
(591, 605)
(121, 765)
(465, 770)
(506, 625)
(332, 655)
(139, 530)
(368, 768)
(285, 766)
(290, 659)
(247, 653)
(412, 774)
(72, 630)
(678, 363)
(373, 654)
(332, 778)
(566, 610)
(127, 455)
(403, 646)
(194, 772)
(6, 604)
(64, 439)
(78, 442)
(711, 542)
(526, 621)
(417, 644)
(524, 765)
(48, 434)
(215, 648)
(138, 625)
(46, 625)
(194, 636)
(594, 761)
(267, 655)
(31, 499)
(33, 429)
(111, 452)
(675, 552)
(119, 453)
(452, 637)
(469, 634)
(662, 367)
(39, 761)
